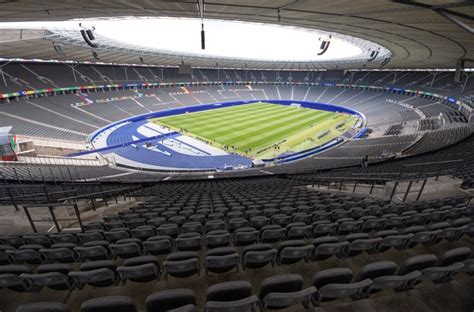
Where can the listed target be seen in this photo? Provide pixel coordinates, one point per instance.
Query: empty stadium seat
(221, 260)
(109, 304)
(282, 291)
(235, 295)
(102, 277)
(158, 245)
(258, 255)
(182, 264)
(10, 277)
(293, 251)
(43, 307)
(140, 269)
(183, 300)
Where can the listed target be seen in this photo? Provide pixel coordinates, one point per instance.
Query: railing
(374, 179)
(17, 195)
(104, 195)
(51, 160)
(340, 183)
(424, 170)
(52, 207)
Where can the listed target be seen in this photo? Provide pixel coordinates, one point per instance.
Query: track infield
(261, 130)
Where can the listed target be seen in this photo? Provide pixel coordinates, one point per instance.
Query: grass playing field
(261, 130)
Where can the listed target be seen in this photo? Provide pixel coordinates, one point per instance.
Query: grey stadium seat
(360, 245)
(53, 280)
(215, 225)
(182, 264)
(127, 250)
(43, 307)
(140, 269)
(417, 263)
(285, 290)
(103, 277)
(63, 255)
(271, 233)
(169, 229)
(332, 276)
(93, 252)
(245, 236)
(293, 251)
(54, 276)
(27, 253)
(109, 304)
(5, 257)
(327, 250)
(357, 290)
(221, 260)
(158, 245)
(10, 277)
(324, 229)
(180, 299)
(378, 273)
(298, 230)
(38, 239)
(63, 238)
(231, 296)
(143, 232)
(192, 227)
(116, 235)
(454, 255)
(258, 255)
(217, 238)
(188, 241)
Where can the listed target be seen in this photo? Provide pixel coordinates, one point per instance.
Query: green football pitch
(261, 130)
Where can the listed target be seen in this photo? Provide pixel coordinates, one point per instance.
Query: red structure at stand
(7, 144)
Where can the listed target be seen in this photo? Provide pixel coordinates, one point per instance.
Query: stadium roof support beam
(456, 21)
(445, 12)
(279, 9)
(201, 15)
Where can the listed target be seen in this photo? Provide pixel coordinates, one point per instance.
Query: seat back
(109, 304)
(43, 307)
(63, 238)
(219, 238)
(170, 299)
(54, 280)
(188, 242)
(215, 225)
(284, 283)
(182, 264)
(42, 240)
(220, 260)
(60, 254)
(158, 246)
(356, 290)
(332, 276)
(229, 291)
(375, 270)
(417, 263)
(454, 255)
(245, 236)
(98, 278)
(139, 273)
(93, 252)
(271, 234)
(125, 250)
(14, 282)
(327, 250)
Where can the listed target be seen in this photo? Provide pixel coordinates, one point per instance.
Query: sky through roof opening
(229, 39)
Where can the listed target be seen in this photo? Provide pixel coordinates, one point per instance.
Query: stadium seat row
(120, 244)
(275, 292)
